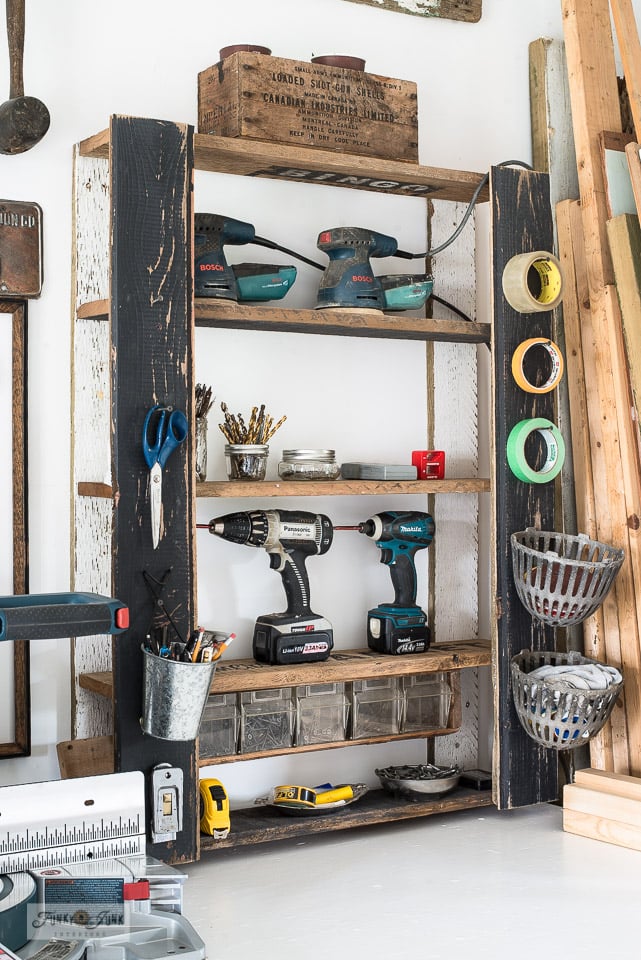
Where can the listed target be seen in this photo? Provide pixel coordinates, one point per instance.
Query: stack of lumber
(601, 297)
(604, 806)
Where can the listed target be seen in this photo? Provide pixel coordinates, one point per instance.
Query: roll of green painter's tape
(555, 452)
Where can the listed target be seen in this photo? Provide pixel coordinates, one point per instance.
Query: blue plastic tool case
(46, 616)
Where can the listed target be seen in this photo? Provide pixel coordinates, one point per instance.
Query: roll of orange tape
(556, 360)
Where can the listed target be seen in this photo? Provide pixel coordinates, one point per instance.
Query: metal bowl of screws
(419, 780)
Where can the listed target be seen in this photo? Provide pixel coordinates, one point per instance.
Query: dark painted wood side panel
(521, 223)
(152, 343)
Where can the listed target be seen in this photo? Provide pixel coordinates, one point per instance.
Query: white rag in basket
(578, 676)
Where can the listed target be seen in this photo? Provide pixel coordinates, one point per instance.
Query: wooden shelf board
(94, 310)
(227, 314)
(336, 488)
(315, 747)
(255, 158)
(338, 322)
(238, 676)
(345, 665)
(307, 488)
(100, 683)
(265, 824)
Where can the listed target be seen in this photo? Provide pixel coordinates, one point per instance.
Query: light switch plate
(167, 799)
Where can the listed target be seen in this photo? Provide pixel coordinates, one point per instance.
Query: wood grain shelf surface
(275, 161)
(239, 676)
(333, 745)
(226, 314)
(336, 488)
(337, 322)
(265, 824)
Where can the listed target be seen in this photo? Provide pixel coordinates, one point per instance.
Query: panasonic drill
(298, 635)
(401, 626)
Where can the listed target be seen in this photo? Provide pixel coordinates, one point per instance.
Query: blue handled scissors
(171, 431)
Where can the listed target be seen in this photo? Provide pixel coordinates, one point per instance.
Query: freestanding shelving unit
(134, 325)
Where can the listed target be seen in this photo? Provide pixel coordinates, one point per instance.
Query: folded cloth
(580, 676)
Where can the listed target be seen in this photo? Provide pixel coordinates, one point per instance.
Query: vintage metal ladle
(23, 120)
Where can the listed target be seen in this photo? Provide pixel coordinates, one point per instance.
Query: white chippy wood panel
(91, 447)
(93, 715)
(453, 427)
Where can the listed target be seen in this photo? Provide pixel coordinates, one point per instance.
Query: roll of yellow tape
(556, 360)
(533, 282)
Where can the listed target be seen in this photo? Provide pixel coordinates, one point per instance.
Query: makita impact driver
(401, 626)
(289, 536)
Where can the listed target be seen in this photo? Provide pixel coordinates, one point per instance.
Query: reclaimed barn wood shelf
(264, 824)
(345, 323)
(239, 676)
(314, 747)
(311, 488)
(336, 488)
(254, 158)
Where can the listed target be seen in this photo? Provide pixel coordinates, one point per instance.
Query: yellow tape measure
(533, 282)
(214, 809)
(556, 360)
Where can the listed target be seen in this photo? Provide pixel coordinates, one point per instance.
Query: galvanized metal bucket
(174, 696)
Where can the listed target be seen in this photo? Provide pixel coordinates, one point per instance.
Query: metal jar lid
(300, 453)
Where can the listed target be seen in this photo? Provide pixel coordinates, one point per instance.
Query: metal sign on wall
(469, 10)
(20, 250)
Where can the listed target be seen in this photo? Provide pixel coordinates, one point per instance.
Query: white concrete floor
(461, 886)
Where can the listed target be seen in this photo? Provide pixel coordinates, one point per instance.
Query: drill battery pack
(397, 632)
(279, 639)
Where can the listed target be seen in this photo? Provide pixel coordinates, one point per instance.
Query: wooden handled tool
(23, 120)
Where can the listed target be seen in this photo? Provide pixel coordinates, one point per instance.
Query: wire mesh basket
(552, 714)
(562, 579)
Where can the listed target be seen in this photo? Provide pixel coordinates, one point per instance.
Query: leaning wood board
(468, 10)
(152, 357)
(525, 772)
(596, 108)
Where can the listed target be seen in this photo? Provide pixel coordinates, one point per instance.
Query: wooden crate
(308, 104)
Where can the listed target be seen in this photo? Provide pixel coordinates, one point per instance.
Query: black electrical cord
(466, 216)
(404, 254)
(450, 306)
(263, 242)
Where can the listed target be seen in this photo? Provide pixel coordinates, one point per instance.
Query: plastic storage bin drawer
(426, 702)
(321, 713)
(218, 735)
(266, 720)
(376, 708)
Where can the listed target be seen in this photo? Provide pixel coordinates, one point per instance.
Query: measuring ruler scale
(63, 822)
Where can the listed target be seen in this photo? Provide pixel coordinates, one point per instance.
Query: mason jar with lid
(305, 464)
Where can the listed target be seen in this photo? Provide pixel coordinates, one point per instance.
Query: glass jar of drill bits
(305, 464)
(247, 446)
(246, 461)
(203, 406)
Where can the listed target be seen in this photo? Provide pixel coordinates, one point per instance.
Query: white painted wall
(86, 62)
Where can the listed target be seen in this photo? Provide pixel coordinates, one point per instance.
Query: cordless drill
(289, 536)
(401, 626)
